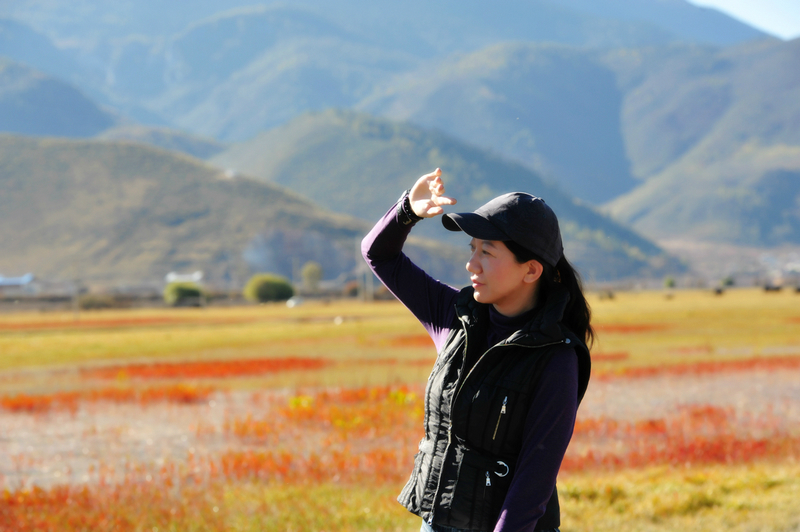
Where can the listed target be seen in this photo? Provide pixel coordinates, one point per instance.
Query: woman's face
(499, 280)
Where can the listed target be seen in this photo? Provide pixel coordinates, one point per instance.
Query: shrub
(263, 287)
(103, 301)
(183, 294)
(312, 275)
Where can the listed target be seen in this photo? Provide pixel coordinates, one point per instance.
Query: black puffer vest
(474, 417)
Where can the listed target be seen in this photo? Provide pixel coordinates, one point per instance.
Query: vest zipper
(472, 369)
(488, 480)
(502, 411)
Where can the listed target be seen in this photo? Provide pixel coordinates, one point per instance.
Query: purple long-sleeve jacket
(551, 417)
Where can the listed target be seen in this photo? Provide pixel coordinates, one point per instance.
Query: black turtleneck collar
(502, 326)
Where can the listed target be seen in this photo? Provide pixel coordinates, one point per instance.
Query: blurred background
(143, 139)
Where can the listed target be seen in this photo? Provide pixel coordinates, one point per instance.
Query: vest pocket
(492, 420)
(479, 491)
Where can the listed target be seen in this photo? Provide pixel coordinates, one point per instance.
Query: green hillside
(121, 214)
(357, 164)
(716, 135)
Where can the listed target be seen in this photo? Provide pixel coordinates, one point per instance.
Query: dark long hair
(577, 316)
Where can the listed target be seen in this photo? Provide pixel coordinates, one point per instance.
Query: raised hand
(427, 195)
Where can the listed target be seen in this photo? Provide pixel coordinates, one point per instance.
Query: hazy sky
(778, 17)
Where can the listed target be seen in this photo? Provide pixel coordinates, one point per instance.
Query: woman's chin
(479, 297)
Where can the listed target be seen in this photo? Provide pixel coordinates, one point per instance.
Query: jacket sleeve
(432, 302)
(548, 430)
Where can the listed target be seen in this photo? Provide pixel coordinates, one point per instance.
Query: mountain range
(555, 108)
(673, 120)
(719, 152)
(115, 214)
(357, 164)
(33, 103)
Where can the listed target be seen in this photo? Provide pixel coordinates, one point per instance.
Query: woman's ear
(535, 270)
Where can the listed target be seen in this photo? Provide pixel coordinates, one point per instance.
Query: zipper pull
(488, 480)
(502, 411)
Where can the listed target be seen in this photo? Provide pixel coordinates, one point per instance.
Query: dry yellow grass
(671, 327)
(753, 497)
(652, 328)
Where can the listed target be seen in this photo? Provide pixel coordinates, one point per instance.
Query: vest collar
(543, 328)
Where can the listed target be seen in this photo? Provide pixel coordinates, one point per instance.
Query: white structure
(174, 277)
(23, 280)
(18, 286)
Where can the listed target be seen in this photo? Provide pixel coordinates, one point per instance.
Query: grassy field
(271, 418)
(639, 328)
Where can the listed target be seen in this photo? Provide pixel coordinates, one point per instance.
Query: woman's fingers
(444, 200)
(436, 186)
(422, 188)
(437, 193)
(427, 195)
(435, 173)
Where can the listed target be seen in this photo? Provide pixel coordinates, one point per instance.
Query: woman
(512, 363)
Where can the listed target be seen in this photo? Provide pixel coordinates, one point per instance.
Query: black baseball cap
(517, 216)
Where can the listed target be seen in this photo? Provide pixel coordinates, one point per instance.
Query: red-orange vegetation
(412, 340)
(610, 357)
(208, 369)
(358, 411)
(27, 403)
(337, 465)
(364, 435)
(130, 505)
(391, 361)
(629, 328)
(175, 393)
(342, 413)
(250, 428)
(697, 434)
(705, 367)
(179, 393)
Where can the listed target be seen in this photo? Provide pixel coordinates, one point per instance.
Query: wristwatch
(405, 214)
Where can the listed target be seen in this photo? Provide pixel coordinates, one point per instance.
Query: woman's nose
(472, 265)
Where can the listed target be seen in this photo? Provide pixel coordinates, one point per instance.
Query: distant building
(16, 281)
(174, 277)
(17, 285)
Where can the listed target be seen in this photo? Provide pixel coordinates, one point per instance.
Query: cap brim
(474, 225)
